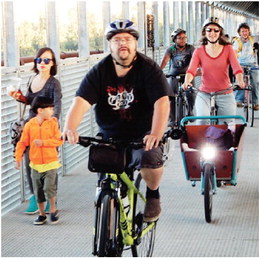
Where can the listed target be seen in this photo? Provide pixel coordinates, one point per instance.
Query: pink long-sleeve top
(215, 75)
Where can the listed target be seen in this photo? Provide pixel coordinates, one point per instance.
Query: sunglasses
(45, 60)
(210, 30)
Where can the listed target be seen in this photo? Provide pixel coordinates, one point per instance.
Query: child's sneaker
(40, 220)
(54, 217)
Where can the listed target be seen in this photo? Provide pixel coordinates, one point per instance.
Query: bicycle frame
(126, 220)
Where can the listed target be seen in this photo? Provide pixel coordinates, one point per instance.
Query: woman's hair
(222, 38)
(53, 69)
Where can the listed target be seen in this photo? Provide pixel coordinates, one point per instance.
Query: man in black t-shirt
(131, 96)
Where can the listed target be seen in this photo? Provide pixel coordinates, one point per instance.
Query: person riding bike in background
(244, 48)
(179, 55)
(214, 57)
(130, 93)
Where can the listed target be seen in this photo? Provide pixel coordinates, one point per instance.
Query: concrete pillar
(184, 15)
(198, 21)
(10, 46)
(125, 14)
(203, 17)
(142, 24)
(52, 29)
(156, 29)
(106, 21)
(176, 24)
(190, 30)
(166, 24)
(83, 37)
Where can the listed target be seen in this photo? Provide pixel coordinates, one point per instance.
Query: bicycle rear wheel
(208, 191)
(109, 239)
(143, 246)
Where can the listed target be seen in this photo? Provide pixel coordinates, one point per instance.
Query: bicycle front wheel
(143, 245)
(109, 236)
(208, 191)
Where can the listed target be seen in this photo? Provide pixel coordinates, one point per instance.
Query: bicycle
(248, 103)
(119, 207)
(211, 165)
(179, 107)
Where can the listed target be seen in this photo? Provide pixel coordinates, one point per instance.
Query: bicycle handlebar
(86, 141)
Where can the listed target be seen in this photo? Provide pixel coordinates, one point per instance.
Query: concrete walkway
(181, 230)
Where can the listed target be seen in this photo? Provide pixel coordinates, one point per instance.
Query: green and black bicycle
(120, 200)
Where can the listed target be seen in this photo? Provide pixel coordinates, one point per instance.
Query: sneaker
(33, 207)
(256, 107)
(40, 220)
(239, 104)
(152, 210)
(54, 217)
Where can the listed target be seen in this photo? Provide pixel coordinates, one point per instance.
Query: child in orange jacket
(43, 136)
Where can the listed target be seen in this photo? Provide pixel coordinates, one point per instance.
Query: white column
(190, 31)
(10, 46)
(125, 10)
(156, 30)
(83, 37)
(106, 21)
(141, 24)
(176, 15)
(166, 23)
(52, 29)
(184, 15)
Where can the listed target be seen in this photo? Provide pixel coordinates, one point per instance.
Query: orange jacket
(48, 132)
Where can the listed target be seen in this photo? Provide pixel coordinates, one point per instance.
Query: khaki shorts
(44, 184)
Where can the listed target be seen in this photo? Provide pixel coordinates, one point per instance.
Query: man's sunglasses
(45, 60)
(210, 30)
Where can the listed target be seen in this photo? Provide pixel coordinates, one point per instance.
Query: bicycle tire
(109, 240)
(252, 115)
(208, 191)
(144, 246)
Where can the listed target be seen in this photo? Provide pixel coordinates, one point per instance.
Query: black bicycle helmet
(121, 26)
(213, 20)
(243, 25)
(177, 32)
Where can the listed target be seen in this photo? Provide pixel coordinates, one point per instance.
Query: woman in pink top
(214, 57)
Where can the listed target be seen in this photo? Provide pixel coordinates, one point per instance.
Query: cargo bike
(212, 166)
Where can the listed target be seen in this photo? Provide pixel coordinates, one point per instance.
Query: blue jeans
(254, 81)
(226, 106)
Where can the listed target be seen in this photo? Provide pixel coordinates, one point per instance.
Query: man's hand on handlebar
(151, 141)
(71, 136)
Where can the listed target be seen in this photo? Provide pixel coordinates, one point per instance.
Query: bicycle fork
(214, 181)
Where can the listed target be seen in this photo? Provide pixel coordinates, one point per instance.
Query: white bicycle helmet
(121, 26)
(177, 32)
(213, 20)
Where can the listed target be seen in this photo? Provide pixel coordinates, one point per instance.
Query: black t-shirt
(124, 105)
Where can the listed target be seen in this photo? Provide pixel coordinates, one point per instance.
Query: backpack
(16, 128)
(221, 138)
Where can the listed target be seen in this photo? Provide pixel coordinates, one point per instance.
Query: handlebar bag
(107, 159)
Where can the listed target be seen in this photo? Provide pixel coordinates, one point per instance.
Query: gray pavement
(181, 230)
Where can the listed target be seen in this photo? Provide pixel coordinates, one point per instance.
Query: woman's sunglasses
(210, 30)
(45, 60)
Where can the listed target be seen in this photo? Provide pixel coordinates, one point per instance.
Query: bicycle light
(208, 152)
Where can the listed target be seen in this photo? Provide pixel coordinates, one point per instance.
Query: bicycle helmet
(177, 32)
(243, 25)
(121, 26)
(213, 20)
